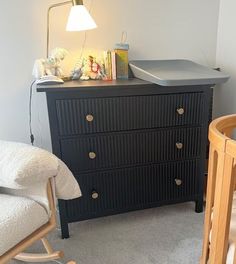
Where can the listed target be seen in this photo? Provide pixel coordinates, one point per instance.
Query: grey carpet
(164, 235)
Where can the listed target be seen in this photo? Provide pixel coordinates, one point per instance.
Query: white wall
(225, 95)
(156, 29)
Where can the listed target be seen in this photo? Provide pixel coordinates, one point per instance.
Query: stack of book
(116, 63)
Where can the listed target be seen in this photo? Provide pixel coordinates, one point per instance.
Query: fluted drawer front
(125, 188)
(82, 116)
(130, 148)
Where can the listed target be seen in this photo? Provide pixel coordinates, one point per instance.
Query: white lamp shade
(80, 19)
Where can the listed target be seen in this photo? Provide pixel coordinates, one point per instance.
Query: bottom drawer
(111, 191)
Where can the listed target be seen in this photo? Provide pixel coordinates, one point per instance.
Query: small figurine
(77, 72)
(84, 77)
(51, 65)
(94, 68)
(56, 57)
(91, 69)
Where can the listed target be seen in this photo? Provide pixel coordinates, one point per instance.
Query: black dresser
(130, 144)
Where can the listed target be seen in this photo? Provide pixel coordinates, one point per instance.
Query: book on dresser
(110, 59)
(131, 144)
(113, 65)
(122, 67)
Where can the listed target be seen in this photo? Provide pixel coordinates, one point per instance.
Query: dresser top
(80, 85)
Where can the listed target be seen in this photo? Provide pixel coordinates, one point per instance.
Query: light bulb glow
(80, 19)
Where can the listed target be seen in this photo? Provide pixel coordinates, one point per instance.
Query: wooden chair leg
(47, 245)
(50, 255)
(50, 250)
(40, 258)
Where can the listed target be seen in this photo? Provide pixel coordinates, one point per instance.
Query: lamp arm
(48, 17)
(77, 2)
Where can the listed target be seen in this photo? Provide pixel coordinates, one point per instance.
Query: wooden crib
(220, 191)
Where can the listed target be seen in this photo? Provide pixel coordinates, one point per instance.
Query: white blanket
(23, 167)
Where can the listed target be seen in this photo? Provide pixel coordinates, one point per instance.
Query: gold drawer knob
(178, 182)
(92, 155)
(180, 111)
(179, 145)
(95, 195)
(89, 118)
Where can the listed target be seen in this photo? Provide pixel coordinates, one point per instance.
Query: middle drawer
(88, 153)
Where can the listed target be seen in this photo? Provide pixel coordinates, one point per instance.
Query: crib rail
(220, 188)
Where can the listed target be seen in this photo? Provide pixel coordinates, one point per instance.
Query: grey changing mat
(176, 72)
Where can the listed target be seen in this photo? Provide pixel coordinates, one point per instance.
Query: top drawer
(92, 115)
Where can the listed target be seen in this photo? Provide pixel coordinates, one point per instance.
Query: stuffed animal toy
(51, 65)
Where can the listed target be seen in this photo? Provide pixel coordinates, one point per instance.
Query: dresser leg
(65, 231)
(63, 219)
(199, 206)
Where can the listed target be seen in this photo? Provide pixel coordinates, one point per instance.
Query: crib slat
(209, 202)
(222, 209)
